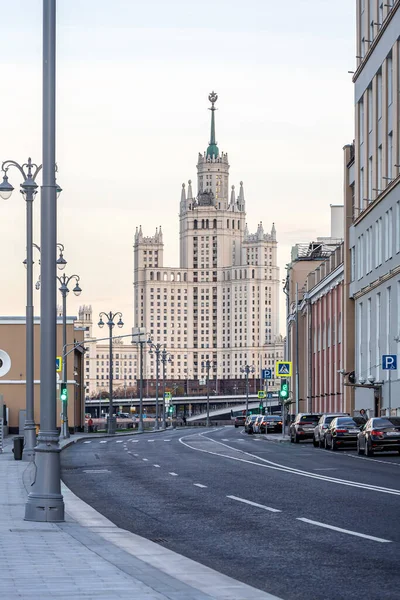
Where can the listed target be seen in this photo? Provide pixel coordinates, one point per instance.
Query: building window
(379, 91)
(390, 156)
(378, 335)
(398, 229)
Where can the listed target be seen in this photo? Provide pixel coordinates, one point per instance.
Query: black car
(271, 423)
(240, 420)
(248, 425)
(342, 432)
(378, 434)
(303, 427)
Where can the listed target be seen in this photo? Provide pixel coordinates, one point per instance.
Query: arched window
(252, 273)
(240, 274)
(207, 224)
(229, 276)
(165, 276)
(227, 223)
(195, 224)
(233, 224)
(151, 275)
(235, 274)
(184, 277)
(245, 273)
(172, 276)
(238, 224)
(158, 276)
(178, 277)
(202, 223)
(215, 224)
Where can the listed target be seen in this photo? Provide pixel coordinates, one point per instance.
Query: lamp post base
(30, 441)
(45, 502)
(111, 425)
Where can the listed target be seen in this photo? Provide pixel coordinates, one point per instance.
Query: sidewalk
(276, 437)
(88, 557)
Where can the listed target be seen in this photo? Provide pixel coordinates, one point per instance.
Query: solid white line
(385, 462)
(87, 442)
(103, 442)
(145, 459)
(200, 485)
(156, 466)
(97, 471)
(275, 510)
(175, 474)
(362, 535)
(280, 467)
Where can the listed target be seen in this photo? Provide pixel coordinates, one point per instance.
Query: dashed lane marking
(158, 466)
(87, 442)
(200, 485)
(269, 508)
(362, 535)
(103, 442)
(119, 441)
(174, 474)
(145, 459)
(150, 440)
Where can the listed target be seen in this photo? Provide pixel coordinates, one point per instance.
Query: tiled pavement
(89, 558)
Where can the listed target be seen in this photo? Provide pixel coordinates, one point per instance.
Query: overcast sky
(132, 85)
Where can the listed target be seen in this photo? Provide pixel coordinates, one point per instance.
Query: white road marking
(175, 474)
(145, 459)
(156, 466)
(275, 510)
(225, 440)
(119, 441)
(362, 535)
(103, 442)
(87, 442)
(134, 441)
(167, 440)
(279, 467)
(136, 455)
(97, 471)
(200, 485)
(150, 440)
(385, 462)
(327, 469)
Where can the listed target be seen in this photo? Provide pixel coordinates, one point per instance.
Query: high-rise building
(221, 303)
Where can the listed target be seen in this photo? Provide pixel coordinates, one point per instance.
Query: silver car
(323, 425)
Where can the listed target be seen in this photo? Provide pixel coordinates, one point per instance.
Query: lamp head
(101, 323)
(120, 323)
(61, 262)
(29, 185)
(6, 189)
(58, 190)
(77, 290)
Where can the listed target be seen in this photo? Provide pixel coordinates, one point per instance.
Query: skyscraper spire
(212, 149)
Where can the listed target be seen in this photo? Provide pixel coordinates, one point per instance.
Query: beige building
(221, 303)
(13, 371)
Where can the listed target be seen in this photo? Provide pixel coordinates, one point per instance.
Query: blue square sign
(266, 373)
(389, 362)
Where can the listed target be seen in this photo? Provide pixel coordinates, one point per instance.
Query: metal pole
(45, 502)
(247, 391)
(29, 427)
(65, 428)
(140, 428)
(163, 413)
(208, 392)
(110, 388)
(297, 350)
(157, 375)
(390, 391)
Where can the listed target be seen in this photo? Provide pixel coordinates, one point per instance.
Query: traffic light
(171, 409)
(64, 392)
(352, 377)
(284, 393)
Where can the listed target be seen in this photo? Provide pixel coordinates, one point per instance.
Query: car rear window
(348, 422)
(382, 423)
(271, 418)
(309, 418)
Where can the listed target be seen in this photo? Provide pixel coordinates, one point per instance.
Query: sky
(133, 80)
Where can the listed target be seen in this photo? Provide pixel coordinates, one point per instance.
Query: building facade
(221, 304)
(374, 236)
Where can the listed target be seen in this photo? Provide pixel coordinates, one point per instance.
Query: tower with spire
(221, 303)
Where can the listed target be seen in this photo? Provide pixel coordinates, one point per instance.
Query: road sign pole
(390, 391)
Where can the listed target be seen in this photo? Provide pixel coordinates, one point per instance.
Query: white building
(221, 304)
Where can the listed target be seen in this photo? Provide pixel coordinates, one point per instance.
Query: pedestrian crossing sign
(58, 364)
(283, 368)
(261, 394)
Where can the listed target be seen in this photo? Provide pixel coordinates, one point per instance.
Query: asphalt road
(293, 520)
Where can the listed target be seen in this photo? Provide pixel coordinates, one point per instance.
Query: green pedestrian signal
(171, 409)
(64, 392)
(284, 392)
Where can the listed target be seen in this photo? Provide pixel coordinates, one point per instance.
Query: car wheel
(368, 450)
(326, 444)
(359, 451)
(320, 443)
(296, 439)
(315, 443)
(333, 445)
(291, 438)
(236, 426)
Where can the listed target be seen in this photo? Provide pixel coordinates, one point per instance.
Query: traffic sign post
(389, 363)
(283, 368)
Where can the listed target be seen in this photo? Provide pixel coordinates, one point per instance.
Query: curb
(277, 441)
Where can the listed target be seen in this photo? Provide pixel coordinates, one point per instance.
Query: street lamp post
(140, 333)
(156, 349)
(247, 369)
(165, 357)
(110, 316)
(207, 365)
(64, 281)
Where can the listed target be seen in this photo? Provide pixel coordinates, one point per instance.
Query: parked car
(303, 427)
(323, 424)
(248, 426)
(342, 432)
(378, 434)
(240, 420)
(271, 423)
(257, 423)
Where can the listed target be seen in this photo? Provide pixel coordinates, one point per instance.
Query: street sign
(283, 368)
(266, 373)
(261, 394)
(269, 395)
(58, 364)
(168, 395)
(389, 362)
(202, 382)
